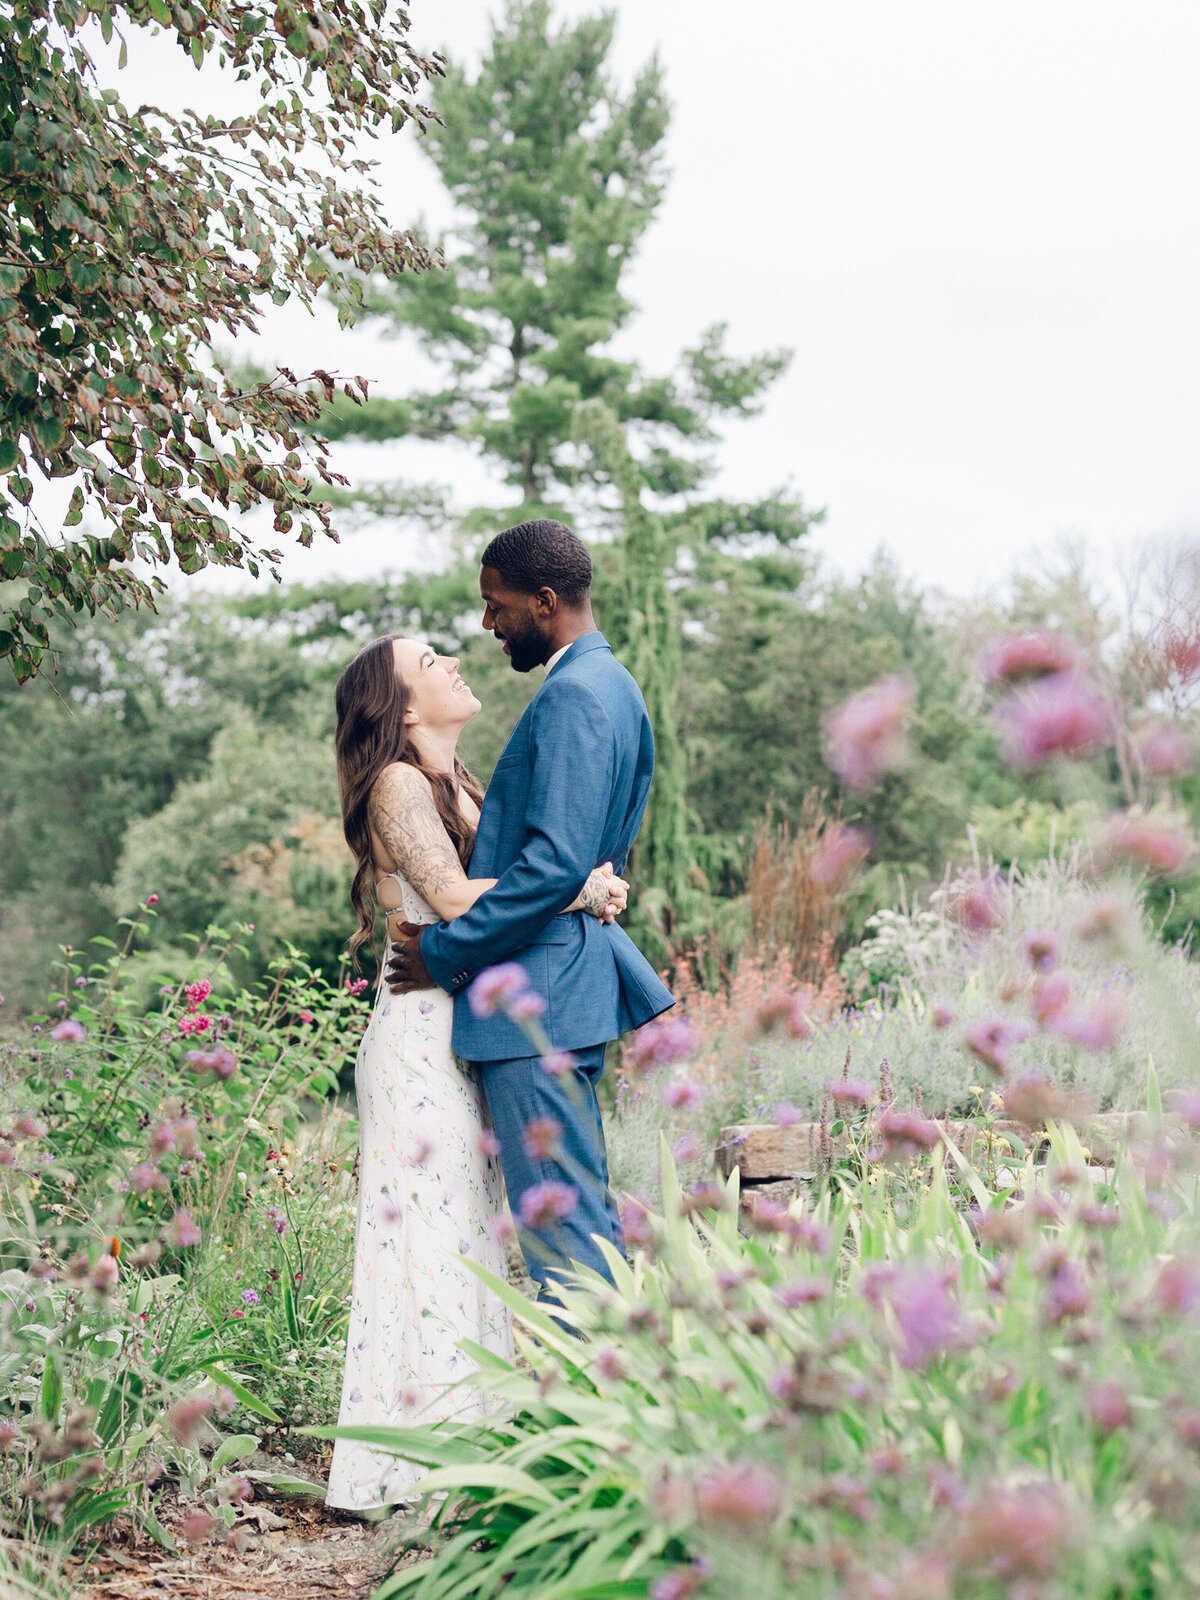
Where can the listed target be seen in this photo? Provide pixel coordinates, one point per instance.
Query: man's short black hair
(542, 554)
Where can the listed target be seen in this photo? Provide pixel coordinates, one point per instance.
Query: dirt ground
(279, 1549)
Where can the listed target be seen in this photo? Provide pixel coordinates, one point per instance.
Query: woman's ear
(410, 716)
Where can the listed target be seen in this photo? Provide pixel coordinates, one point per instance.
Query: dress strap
(397, 875)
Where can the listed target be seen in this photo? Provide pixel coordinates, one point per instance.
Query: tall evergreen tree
(556, 174)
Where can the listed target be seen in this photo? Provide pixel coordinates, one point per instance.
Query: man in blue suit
(568, 791)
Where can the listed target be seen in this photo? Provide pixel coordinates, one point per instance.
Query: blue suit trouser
(520, 1091)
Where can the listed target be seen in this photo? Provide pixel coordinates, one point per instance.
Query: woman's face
(437, 694)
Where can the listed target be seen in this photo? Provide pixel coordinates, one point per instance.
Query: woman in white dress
(429, 1188)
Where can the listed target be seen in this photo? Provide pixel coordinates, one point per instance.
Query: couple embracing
(527, 873)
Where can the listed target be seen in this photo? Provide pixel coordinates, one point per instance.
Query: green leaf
(248, 1399)
(1154, 1104)
(51, 1397)
(8, 455)
(158, 1533)
(236, 1448)
(489, 1475)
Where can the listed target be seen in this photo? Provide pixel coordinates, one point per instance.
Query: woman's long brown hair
(371, 700)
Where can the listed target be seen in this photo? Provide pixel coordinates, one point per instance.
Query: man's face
(516, 620)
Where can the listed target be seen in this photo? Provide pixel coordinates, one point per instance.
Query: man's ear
(545, 601)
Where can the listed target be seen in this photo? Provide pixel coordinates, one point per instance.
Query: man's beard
(526, 649)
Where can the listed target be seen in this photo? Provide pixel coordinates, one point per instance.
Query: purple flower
(787, 1115)
(677, 1584)
(1067, 1293)
(1187, 1103)
(487, 1143)
(223, 1063)
(524, 1007)
(1151, 844)
(1026, 655)
(744, 1494)
(905, 1133)
(839, 851)
(851, 1092)
(1050, 994)
(277, 1219)
(1109, 1405)
(250, 1297)
(682, 1092)
(1177, 1287)
(978, 905)
(1166, 751)
(1059, 715)
(1041, 951)
(928, 1321)
(992, 1040)
(543, 1204)
(686, 1147)
(185, 1232)
(558, 1062)
(865, 734)
(609, 1365)
(496, 987)
(1096, 1026)
(660, 1042)
(146, 1177)
(803, 1292)
(69, 1030)
(942, 1016)
(540, 1137)
(1016, 1533)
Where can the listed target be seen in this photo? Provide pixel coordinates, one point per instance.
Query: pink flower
(558, 1062)
(277, 1219)
(1041, 951)
(104, 1275)
(1050, 995)
(1166, 751)
(250, 1297)
(28, 1128)
(501, 1228)
(185, 1232)
(786, 1115)
(978, 905)
(1067, 1293)
(1096, 1026)
(496, 987)
(68, 1031)
(307, 1016)
(744, 1494)
(1060, 715)
(993, 1039)
(1177, 1287)
(1016, 1533)
(1109, 1405)
(942, 1015)
(851, 1092)
(803, 1292)
(524, 1007)
(151, 899)
(661, 1042)
(185, 1416)
(1151, 844)
(163, 1139)
(865, 734)
(609, 1365)
(635, 1222)
(355, 986)
(145, 1177)
(905, 1133)
(223, 1063)
(839, 851)
(195, 1022)
(487, 1142)
(197, 993)
(1017, 656)
(544, 1204)
(1186, 1102)
(928, 1321)
(686, 1147)
(540, 1137)
(682, 1092)
(678, 1584)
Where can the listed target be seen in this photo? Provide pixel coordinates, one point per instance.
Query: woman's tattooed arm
(406, 823)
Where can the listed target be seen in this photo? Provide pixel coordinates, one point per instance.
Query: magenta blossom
(1062, 715)
(978, 905)
(277, 1219)
(185, 1231)
(661, 1042)
(609, 1365)
(786, 1115)
(1067, 1293)
(487, 1142)
(1095, 1026)
(682, 1092)
(927, 1318)
(1166, 751)
(635, 1222)
(744, 1494)
(905, 1133)
(686, 1147)
(1041, 951)
(146, 1177)
(993, 1039)
(496, 987)
(1019, 656)
(865, 734)
(1016, 1533)
(540, 1137)
(544, 1204)
(222, 1063)
(1186, 1102)
(558, 1062)
(942, 1016)
(1177, 1287)
(68, 1031)
(1050, 994)
(1151, 844)
(525, 1007)
(195, 1022)
(803, 1292)
(1109, 1405)
(838, 852)
(851, 1092)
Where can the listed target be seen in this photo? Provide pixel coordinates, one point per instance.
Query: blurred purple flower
(185, 1232)
(838, 852)
(803, 1292)
(850, 1091)
(686, 1147)
(277, 1219)
(146, 1177)
(1109, 1405)
(744, 1494)
(543, 1204)
(992, 1040)
(1041, 951)
(1166, 751)
(1016, 656)
(524, 1007)
(1060, 715)
(906, 1134)
(222, 1063)
(69, 1030)
(635, 1221)
(786, 1115)
(1152, 844)
(609, 1365)
(487, 1142)
(558, 1062)
(978, 904)
(682, 1092)
(677, 1584)
(1016, 1533)
(1186, 1102)
(865, 734)
(250, 1297)
(942, 1016)
(1067, 1293)
(540, 1137)
(1050, 994)
(1095, 1026)
(927, 1317)
(661, 1042)
(496, 986)
(1177, 1286)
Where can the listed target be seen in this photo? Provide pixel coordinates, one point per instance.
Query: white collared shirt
(556, 658)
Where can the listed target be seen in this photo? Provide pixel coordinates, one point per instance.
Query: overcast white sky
(978, 226)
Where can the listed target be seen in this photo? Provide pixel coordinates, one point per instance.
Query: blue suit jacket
(568, 792)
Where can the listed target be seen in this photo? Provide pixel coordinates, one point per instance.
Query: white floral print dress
(427, 1194)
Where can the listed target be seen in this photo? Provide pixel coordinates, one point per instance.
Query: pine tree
(556, 174)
